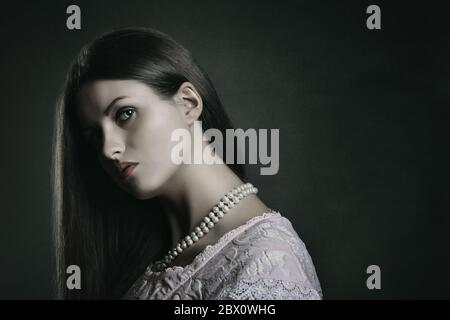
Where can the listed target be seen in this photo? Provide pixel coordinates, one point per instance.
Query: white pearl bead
(227, 202)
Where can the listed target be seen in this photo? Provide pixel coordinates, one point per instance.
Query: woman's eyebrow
(89, 127)
(108, 108)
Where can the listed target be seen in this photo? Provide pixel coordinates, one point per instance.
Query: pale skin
(138, 128)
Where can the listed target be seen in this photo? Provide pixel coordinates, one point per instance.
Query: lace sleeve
(271, 262)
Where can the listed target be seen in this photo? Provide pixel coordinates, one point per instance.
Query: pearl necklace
(227, 202)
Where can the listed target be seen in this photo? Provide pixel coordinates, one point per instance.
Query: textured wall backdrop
(363, 118)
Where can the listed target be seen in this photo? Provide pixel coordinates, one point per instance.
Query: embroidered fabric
(259, 260)
(268, 289)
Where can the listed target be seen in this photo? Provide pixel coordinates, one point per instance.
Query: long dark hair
(109, 234)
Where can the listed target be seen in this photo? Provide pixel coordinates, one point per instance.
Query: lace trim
(210, 250)
(167, 282)
(268, 289)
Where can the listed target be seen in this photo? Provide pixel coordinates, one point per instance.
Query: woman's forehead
(102, 92)
(94, 97)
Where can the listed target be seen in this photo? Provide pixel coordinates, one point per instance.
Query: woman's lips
(128, 170)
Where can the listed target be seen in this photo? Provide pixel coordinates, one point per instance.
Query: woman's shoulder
(265, 258)
(271, 245)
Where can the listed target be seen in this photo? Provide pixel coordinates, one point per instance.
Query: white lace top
(259, 260)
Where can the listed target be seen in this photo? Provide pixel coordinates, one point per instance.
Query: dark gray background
(363, 118)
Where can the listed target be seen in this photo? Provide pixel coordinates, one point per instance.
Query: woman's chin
(143, 192)
(147, 187)
(145, 195)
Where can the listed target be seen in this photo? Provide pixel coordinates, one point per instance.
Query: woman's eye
(124, 114)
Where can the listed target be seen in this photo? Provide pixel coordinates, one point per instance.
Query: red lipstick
(126, 168)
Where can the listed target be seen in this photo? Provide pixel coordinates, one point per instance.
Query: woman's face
(127, 122)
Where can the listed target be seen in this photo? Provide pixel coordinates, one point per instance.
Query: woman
(139, 225)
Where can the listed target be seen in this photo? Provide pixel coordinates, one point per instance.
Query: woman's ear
(189, 102)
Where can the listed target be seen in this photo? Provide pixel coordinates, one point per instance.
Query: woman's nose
(113, 144)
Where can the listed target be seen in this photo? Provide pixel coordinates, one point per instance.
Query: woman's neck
(194, 189)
